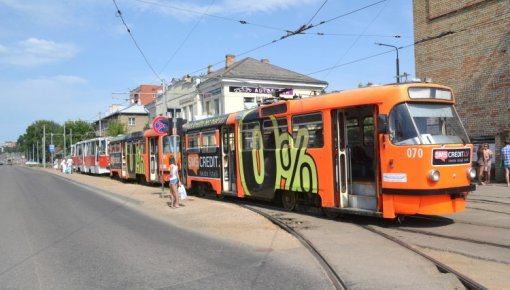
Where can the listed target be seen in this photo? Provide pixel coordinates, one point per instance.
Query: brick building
(144, 94)
(465, 44)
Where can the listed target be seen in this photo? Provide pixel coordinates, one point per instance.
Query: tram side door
(228, 159)
(341, 159)
(153, 159)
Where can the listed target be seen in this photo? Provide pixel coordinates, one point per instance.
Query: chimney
(264, 60)
(186, 78)
(209, 69)
(229, 60)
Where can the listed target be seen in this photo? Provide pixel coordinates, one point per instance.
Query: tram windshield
(171, 144)
(425, 123)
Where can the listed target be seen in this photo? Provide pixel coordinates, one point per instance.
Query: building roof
(134, 109)
(249, 68)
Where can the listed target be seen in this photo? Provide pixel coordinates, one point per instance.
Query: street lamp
(396, 49)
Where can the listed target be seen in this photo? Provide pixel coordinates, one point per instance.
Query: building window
(217, 106)
(131, 121)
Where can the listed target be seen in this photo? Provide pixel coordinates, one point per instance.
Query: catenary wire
(119, 13)
(186, 38)
(244, 22)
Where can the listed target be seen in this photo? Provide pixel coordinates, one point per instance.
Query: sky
(70, 60)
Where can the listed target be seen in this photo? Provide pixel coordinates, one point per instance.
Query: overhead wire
(297, 31)
(186, 38)
(359, 36)
(430, 38)
(240, 21)
(317, 12)
(119, 13)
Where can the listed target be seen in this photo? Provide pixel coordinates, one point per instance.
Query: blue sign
(52, 148)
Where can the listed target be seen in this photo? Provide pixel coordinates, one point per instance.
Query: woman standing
(174, 182)
(481, 164)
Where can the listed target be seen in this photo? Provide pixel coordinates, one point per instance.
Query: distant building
(144, 94)
(10, 144)
(134, 116)
(465, 44)
(235, 87)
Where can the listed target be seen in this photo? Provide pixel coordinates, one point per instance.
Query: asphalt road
(57, 235)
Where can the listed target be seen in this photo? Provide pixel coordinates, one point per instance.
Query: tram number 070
(414, 153)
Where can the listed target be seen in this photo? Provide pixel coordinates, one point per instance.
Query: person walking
(487, 157)
(174, 182)
(63, 165)
(481, 164)
(69, 164)
(505, 154)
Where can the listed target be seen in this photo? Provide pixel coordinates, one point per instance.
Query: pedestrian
(505, 154)
(487, 157)
(63, 165)
(69, 164)
(481, 164)
(174, 182)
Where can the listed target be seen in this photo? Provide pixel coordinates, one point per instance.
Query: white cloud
(35, 52)
(185, 10)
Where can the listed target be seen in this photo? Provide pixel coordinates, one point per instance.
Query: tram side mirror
(382, 124)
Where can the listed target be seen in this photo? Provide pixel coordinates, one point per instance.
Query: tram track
(290, 224)
(468, 240)
(335, 279)
(443, 268)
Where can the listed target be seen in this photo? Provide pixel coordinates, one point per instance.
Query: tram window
(209, 141)
(368, 130)
(353, 131)
(314, 126)
(247, 135)
(193, 145)
(268, 131)
(402, 129)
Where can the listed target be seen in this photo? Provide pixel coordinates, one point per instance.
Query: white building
(235, 87)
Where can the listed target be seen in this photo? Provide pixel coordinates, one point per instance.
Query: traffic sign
(52, 148)
(160, 125)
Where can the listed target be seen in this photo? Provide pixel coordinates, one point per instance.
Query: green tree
(116, 128)
(78, 130)
(33, 138)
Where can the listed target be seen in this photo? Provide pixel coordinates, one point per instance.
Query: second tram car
(384, 151)
(143, 156)
(91, 156)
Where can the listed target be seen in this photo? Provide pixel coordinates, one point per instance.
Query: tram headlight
(434, 175)
(471, 173)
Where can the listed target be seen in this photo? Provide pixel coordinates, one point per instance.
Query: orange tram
(143, 156)
(384, 151)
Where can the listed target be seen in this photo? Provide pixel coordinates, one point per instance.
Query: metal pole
(37, 152)
(100, 131)
(44, 146)
(397, 61)
(51, 141)
(65, 139)
(398, 67)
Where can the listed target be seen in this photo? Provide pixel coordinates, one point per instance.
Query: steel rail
(330, 272)
(466, 281)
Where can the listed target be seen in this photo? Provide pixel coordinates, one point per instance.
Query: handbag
(182, 192)
(502, 163)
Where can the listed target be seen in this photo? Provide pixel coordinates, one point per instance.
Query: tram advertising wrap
(204, 165)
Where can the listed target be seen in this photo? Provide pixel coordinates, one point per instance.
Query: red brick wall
(474, 58)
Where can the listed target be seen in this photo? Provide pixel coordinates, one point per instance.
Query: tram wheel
(289, 200)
